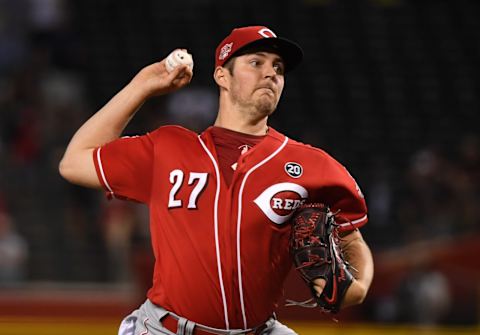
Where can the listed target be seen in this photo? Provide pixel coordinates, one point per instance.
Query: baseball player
(219, 201)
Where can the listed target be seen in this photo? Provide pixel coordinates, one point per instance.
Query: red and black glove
(317, 254)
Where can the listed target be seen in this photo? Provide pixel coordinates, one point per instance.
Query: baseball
(178, 57)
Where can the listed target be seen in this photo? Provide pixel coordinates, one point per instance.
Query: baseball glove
(316, 254)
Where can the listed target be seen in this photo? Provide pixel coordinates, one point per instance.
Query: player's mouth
(268, 89)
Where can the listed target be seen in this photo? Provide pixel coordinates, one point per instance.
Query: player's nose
(270, 71)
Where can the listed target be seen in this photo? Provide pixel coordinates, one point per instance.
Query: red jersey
(221, 251)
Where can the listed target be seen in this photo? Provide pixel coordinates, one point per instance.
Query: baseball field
(102, 326)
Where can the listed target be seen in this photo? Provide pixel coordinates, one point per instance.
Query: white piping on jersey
(239, 221)
(217, 244)
(145, 326)
(99, 161)
(354, 222)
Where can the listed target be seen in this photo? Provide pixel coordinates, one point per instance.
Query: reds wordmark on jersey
(222, 251)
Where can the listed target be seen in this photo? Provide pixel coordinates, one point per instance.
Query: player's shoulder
(174, 132)
(296, 147)
(307, 149)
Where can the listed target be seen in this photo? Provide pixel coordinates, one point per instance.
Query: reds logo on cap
(267, 33)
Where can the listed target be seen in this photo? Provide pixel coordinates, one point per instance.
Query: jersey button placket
(234, 201)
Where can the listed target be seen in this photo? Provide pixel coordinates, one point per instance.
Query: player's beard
(257, 105)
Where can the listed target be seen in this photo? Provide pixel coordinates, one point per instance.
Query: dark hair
(230, 64)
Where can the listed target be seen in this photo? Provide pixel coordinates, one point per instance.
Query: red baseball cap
(253, 36)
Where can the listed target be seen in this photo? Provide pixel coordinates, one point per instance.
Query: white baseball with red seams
(178, 57)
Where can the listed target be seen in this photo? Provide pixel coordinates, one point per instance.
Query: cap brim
(290, 52)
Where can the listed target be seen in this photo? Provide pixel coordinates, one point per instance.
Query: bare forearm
(360, 258)
(108, 123)
(104, 126)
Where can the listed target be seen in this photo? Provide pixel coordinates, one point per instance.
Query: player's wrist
(139, 89)
(355, 294)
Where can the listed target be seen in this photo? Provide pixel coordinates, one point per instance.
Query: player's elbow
(78, 168)
(66, 169)
(70, 168)
(356, 294)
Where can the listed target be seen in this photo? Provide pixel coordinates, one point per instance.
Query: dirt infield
(102, 326)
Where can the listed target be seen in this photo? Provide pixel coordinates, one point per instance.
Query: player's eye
(279, 68)
(254, 62)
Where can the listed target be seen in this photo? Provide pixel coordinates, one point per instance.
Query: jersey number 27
(176, 179)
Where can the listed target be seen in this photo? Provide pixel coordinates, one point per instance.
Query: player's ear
(220, 75)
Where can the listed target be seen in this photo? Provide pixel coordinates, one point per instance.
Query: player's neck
(241, 122)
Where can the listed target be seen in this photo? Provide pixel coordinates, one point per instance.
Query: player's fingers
(188, 73)
(177, 72)
(176, 75)
(319, 285)
(182, 75)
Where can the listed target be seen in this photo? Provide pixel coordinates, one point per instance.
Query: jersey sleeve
(125, 167)
(341, 192)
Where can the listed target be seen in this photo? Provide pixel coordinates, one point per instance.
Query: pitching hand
(156, 80)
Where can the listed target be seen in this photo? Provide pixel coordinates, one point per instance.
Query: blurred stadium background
(391, 88)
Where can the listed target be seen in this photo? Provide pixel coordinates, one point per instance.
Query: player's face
(257, 82)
